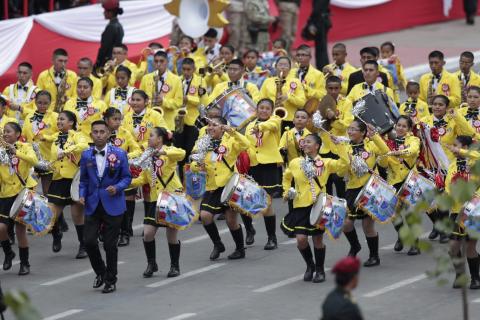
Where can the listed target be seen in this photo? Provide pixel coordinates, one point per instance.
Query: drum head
(229, 188)
(317, 208)
(75, 187)
(18, 202)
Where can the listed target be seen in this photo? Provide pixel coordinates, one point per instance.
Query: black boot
(271, 225)
(57, 235)
(239, 252)
(130, 213)
(174, 250)
(218, 246)
(442, 215)
(9, 254)
(474, 266)
(24, 265)
(319, 265)
(151, 260)
(63, 223)
(433, 217)
(355, 246)
(11, 231)
(82, 252)
(374, 259)
(249, 229)
(398, 244)
(307, 256)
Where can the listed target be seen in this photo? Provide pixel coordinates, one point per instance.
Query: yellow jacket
(264, 149)
(22, 162)
(86, 116)
(25, 99)
(42, 132)
(360, 90)
(343, 73)
(67, 167)
(4, 120)
(114, 99)
(448, 86)
(472, 119)
(46, 81)
(313, 82)
(473, 80)
(340, 124)
(165, 167)
(123, 139)
(218, 174)
(96, 90)
(293, 142)
(398, 167)
(415, 109)
(294, 172)
(110, 82)
(213, 79)
(141, 132)
(196, 96)
(224, 86)
(171, 91)
(292, 88)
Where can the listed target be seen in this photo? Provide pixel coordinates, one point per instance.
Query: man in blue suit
(104, 175)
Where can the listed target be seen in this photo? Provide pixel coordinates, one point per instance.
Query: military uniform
(236, 23)
(288, 10)
(258, 18)
(339, 306)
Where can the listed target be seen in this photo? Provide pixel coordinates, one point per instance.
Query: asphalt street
(265, 285)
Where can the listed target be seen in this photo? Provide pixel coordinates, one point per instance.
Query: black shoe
(217, 249)
(475, 284)
(354, 250)
(109, 288)
(57, 243)
(174, 272)
(221, 216)
(308, 275)
(98, 282)
(82, 253)
(151, 268)
(237, 254)
(319, 277)
(444, 238)
(372, 262)
(470, 20)
(24, 269)
(7, 263)
(271, 243)
(433, 235)
(250, 237)
(124, 240)
(398, 245)
(413, 251)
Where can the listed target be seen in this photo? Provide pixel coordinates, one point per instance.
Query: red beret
(347, 265)
(110, 4)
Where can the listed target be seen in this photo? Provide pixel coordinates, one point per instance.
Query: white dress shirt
(101, 161)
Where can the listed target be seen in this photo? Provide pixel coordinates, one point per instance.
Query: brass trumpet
(280, 112)
(107, 68)
(221, 66)
(61, 97)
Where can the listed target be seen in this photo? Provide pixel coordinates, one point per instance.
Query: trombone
(107, 68)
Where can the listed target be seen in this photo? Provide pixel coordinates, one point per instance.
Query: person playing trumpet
(164, 89)
(186, 49)
(14, 177)
(119, 97)
(253, 72)
(145, 64)
(218, 74)
(119, 58)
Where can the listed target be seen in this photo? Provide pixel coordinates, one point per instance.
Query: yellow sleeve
(158, 120)
(176, 101)
(283, 141)
(472, 154)
(271, 125)
(175, 154)
(254, 92)
(143, 85)
(241, 142)
(134, 149)
(80, 144)
(345, 117)
(297, 97)
(215, 93)
(140, 180)
(462, 126)
(287, 181)
(27, 154)
(380, 145)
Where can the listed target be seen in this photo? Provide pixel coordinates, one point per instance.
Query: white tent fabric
(355, 4)
(13, 34)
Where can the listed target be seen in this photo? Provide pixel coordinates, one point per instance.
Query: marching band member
(14, 177)
(208, 45)
(253, 72)
(292, 141)
(470, 109)
(370, 74)
(368, 149)
(219, 162)
(285, 90)
(439, 81)
(145, 64)
(460, 170)
(340, 67)
(312, 79)
(413, 107)
(40, 127)
(356, 77)
(264, 136)
(119, 97)
(58, 80)
(307, 190)
(164, 89)
(188, 50)
(466, 76)
(65, 153)
(4, 119)
(22, 93)
(218, 75)
(164, 163)
(85, 107)
(85, 68)
(402, 158)
(123, 139)
(391, 63)
(119, 58)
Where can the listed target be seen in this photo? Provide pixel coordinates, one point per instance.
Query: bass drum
(175, 211)
(75, 187)
(329, 213)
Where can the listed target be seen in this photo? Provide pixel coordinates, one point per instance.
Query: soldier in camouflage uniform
(258, 18)
(288, 11)
(236, 22)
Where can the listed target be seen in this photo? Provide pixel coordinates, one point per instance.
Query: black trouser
(111, 229)
(186, 141)
(470, 7)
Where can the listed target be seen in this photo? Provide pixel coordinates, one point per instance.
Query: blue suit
(93, 187)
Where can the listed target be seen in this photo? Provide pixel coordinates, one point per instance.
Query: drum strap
(317, 182)
(228, 166)
(165, 184)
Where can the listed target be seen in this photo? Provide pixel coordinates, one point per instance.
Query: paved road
(265, 285)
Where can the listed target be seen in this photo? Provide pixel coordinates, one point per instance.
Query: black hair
(71, 117)
(282, 41)
(123, 46)
(211, 33)
(15, 126)
(361, 126)
(468, 55)
(237, 62)
(465, 140)
(155, 44)
(142, 93)
(188, 38)
(474, 88)
(388, 44)
(375, 51)
(165, 134)
(436, 54)
(110, 112)
(445, 99)
(121, 68)
(368, 50)
(303, 47)
(284, 57)
(339, 45)
(229, 47)
(222, 120)
(266, 100)
(87, 60)
(98, 122)
(333, 79)
(302, 110)
(251, 51)
(161, 53)
(316, 138)
(342, 279)
(43, 93)
(188, 61)
(408, 119)
(60, 52)
(87, 80)
(412, 83)
(25, 64)
(3, 101)
(371, 62)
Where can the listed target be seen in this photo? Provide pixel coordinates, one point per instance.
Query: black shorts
(150, 214)
(354, 213)
(5, 206)
(59, 192)
(131, 192)
(211, 202)
(267, 176)
(298, 222)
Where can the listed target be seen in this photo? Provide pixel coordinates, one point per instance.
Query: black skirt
(353, 212)
(59, 192)
(5, 206)
(131, 192)
(267, 176)
(298, 222)
(150, 214)
(211, 202)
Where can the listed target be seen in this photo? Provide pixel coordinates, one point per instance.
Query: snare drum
(237, 107)
(195, 183)
(414, 188)
(470, 218)
(75, 187)
(245, 196)
(32, 210)
(329, 213)
(175, 211)
(378, 199)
